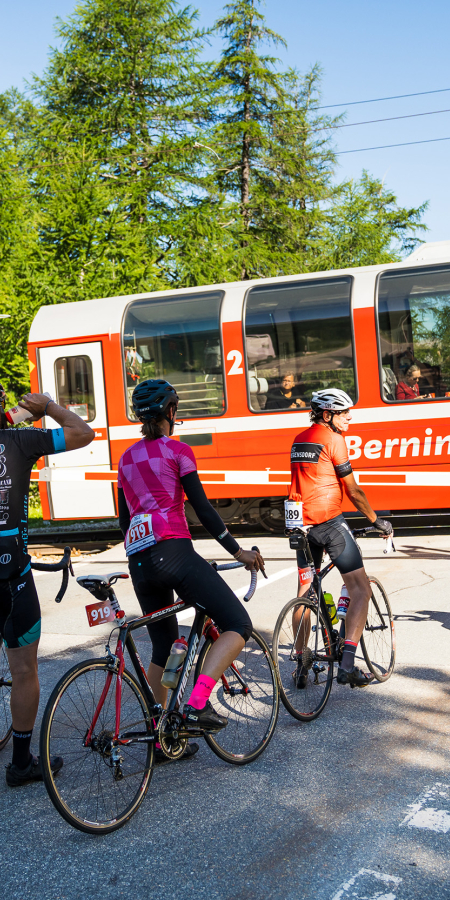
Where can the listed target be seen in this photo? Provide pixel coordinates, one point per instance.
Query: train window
(414, 334)
(75, 386)
(177, 339)
(298, 339)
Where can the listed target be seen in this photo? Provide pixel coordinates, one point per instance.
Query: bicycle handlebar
(361, 532)
(237, 565)
(64, 564)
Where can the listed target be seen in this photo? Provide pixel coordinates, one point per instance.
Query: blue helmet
(151, 398)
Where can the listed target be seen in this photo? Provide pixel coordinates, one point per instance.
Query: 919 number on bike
(98, 613)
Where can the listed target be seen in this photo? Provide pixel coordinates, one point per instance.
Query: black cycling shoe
(16, 777)
(206, 718)
(355, 678)
(300, 676)
(190, 751)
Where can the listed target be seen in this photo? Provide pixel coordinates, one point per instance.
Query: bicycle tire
(307, 703)
(378, 646)
(252, 716)
(86, 792)
(5, 697)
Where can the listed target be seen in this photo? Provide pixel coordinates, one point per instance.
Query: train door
(73, 375)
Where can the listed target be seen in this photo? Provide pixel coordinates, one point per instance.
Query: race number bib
(293, 514)
(140, 534)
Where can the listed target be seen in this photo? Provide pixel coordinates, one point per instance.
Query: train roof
(88, 318)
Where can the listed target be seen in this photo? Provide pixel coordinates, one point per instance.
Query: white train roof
(91, 318)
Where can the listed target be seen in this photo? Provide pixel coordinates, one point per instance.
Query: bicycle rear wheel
(378, 637)
(5, 697)
(305, 679)
(247, 694)
(100, 786)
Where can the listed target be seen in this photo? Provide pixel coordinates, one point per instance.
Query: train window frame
(350, 278)
(407, 270)
(90, 376)
(179, 295)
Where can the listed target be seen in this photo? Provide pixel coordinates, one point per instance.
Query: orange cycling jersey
(319, 458)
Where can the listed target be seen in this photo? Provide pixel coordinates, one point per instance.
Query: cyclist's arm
(358, 497)
(208, 516)
(77, 433)
(124, 512)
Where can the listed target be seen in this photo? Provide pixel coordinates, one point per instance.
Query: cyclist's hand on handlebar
(252, 559)
(384, 526)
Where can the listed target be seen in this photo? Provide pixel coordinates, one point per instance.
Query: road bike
(104, 720)
(306, 647)
(63, 565)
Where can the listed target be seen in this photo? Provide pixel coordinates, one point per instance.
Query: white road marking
(262, 582)
(368, 885)
(431, 810)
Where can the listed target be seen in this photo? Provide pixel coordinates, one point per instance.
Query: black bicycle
(104, 721)
(306, 646)
(63, 564)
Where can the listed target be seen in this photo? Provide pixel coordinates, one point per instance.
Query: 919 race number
(98, 613)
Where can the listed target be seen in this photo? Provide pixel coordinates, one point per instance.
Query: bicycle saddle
(100, 585)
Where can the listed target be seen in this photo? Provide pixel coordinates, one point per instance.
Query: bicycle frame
(202, 625)
(302, 540)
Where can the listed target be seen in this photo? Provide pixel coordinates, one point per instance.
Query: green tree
(120, 103)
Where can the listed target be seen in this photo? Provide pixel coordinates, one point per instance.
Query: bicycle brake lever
(262, 569)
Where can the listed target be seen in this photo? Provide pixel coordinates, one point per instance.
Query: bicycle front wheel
(378, 637)
(247, 694)
(100, 786)
(305, 676)
(5, 697)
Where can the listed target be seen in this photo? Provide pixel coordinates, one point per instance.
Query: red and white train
(245, 358)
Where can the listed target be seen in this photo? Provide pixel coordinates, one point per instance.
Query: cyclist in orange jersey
(320, 474)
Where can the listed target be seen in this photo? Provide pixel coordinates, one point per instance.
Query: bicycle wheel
(378, 637)
(247, 694)
(294, 641)
(5, 697)
(100, 786)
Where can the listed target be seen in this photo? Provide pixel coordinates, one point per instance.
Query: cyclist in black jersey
(20, 616)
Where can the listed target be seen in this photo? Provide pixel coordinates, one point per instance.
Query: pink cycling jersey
(149, 474)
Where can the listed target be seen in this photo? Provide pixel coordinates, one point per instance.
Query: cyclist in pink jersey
(154, 476)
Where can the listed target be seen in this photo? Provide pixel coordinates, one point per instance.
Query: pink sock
(202, 692)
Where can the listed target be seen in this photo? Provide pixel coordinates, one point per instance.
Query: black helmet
(152, 397)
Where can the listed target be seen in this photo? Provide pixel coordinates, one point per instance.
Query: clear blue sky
(368, 48)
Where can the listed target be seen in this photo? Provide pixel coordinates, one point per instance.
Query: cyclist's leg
(153, 596)
(20, 623)
(347, 558)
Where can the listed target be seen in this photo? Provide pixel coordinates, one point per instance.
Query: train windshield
(298, 339)
(414, 334)
(177, 339)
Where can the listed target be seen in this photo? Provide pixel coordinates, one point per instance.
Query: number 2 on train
(236, 368)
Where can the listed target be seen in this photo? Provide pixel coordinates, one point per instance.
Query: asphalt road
(354, 806)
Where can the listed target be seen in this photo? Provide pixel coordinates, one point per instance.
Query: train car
(245, 358)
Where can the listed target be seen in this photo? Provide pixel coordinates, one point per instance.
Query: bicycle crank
(172, 734)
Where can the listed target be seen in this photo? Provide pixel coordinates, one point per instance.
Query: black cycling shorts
(174, 565)
(20, 613)
(335, 537)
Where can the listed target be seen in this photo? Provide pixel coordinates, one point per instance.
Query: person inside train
(287, 396)
(155, 474)
(408, 389)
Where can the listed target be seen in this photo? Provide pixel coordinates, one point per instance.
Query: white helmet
(333, 399)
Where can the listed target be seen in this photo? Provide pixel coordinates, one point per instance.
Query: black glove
(383, 525)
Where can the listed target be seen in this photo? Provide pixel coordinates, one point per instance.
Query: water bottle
(174, 664)
(330, 607)
(343, 603)
(19, 414)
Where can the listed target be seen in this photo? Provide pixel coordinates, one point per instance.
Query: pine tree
(117, 157)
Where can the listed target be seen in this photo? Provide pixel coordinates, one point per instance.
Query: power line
(433, 112)
(385, 146)
(379, 99)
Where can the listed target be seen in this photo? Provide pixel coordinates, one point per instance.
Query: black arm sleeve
(208, 516)
(124, 512)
